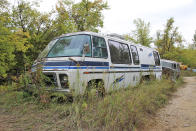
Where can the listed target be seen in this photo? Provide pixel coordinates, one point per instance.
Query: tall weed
(125, 109)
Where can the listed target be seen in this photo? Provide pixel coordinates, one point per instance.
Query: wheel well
(146, 77)
(96, 83)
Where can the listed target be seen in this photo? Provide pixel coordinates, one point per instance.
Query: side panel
(147, 62)
(122, 73)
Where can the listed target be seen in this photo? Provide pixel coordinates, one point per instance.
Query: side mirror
(86, 48)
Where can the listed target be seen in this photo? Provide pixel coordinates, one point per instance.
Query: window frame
(137, 54)
(93, 46)
(156, 53)
(130, 57)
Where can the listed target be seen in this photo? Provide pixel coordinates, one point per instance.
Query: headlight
(64, 80)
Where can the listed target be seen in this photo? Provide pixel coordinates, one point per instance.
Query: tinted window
(99, 47)
(119, 53)
(174, 66)
(71, 46)
(156, 58)
(135, 55)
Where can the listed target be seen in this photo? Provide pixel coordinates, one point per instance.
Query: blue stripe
(119, 67)
(86, 67)
(150, 68)
(68, 67)
(89, 63)
(147, 66)
(81, 63)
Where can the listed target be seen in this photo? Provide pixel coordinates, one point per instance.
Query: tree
(6, 47)
(12, 41)
(187, 57)
(194, 38)
(194, 41)
(166, 39)
(87, 15)
(24, 32)
(82, 16)
(36, 24)
(141, 34)
(64, 22)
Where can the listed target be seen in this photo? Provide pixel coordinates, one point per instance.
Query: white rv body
(117, 70)
(148, 62)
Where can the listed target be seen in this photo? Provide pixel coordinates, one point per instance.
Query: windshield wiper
(73, 60)
(77, 62)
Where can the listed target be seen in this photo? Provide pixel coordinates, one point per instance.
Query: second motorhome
(171, 68)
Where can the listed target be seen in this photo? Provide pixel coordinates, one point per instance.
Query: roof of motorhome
(104, 35)
(83, 32)
(139, 45)
(94, 33)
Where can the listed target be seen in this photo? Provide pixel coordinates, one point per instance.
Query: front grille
(50, 79)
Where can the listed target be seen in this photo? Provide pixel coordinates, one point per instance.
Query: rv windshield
(71, 46)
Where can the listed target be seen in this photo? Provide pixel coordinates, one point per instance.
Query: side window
(119, 53)
(156, 58)
(174, 65)
(99, 47)
(135, 55)
(171, 65)
(164, 64)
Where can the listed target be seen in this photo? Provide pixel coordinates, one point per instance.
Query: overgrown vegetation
(125, 109)
(188, 73)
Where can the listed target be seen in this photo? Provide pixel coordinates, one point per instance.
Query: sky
(119, 18)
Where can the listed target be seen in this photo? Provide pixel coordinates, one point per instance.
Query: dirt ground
(180, 113)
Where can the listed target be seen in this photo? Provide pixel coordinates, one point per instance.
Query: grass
(125, 109)
(188, 73)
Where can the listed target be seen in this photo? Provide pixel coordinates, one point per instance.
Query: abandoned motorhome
(76, 60)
